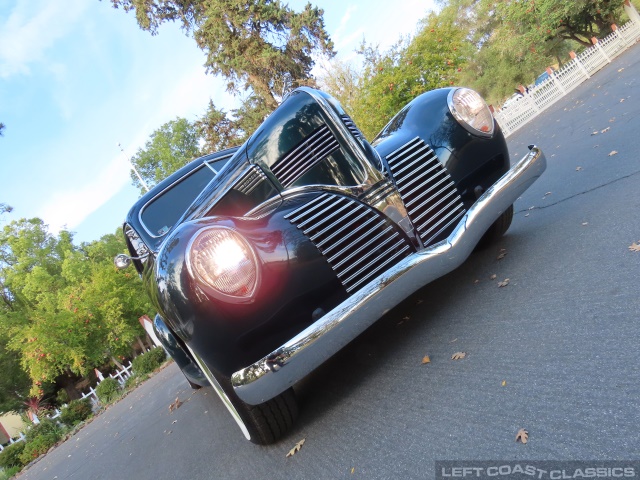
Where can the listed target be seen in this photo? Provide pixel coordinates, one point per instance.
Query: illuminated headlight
(471, 111)
(224, 261)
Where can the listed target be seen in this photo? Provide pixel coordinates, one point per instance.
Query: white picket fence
(120, 375)
(572, 74)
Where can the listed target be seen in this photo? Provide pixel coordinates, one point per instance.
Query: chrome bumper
(298, 357)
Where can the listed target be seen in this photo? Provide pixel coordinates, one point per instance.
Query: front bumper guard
(302, 354)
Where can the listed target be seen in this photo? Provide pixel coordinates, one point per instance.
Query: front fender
(229, 335)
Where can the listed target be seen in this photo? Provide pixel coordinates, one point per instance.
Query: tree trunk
(142, 346)
(118, 364)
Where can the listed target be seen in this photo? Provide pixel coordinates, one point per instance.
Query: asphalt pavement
(556, 351)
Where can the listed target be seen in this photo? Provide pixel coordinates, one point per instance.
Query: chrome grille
(312, 150)
(357, 241)
(355, 131)
(429, 194)
(250, 180)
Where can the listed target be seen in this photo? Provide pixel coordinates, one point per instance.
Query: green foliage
(62, 397)
(258, 44)
(217, 130)
(77, 411)
(9, 473)
(63, 308)
(148, 362)
(10, 455)
(108, 390)
(40, 438)
(170, 147)
(434, 58)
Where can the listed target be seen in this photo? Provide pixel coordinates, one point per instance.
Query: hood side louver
(311, 151)
(357, 241)
(355, 131)
(427, 190)
(250, 180)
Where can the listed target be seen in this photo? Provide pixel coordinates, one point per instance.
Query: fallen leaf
(584, 224)
(526, 214)
(522, 436)
(476, 281)
(634, 247)
(493, 277)
(501, 255)
(175, 421)
(578, 169)
(426, 359)
(454, 340)
(613, 152)
(504, 383)
(458, 356)
(168, 432)
(594, 133)
(503, 283)
(605, 130)
(296, 448)
(621, 100)
(611, 120)
(531, 208)
(621, 69)
(175, 405)
(353, 469)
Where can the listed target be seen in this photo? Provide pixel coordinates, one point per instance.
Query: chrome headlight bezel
(471, 111)
(196, 271)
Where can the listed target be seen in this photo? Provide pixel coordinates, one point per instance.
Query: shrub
(40, 438)
(10, 456)
(37, 447)
(9, 472)
(148, 362)
(108, 390)
(76, 412)
(46, 427)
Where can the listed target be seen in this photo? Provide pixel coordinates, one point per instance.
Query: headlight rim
(210, 289)
(462, 121)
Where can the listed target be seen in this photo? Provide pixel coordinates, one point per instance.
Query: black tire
(266, 422)
(497, 229)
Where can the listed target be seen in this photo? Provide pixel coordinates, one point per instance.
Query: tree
(342, 80)
(261, 45)
(434, 58)
(65, 308)
(169, 148)
(217, 130)
(2, 127)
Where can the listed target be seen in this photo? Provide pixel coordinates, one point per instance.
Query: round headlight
(222, 259)
(471, 111)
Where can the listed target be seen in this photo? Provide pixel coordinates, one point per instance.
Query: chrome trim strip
(223, 396)
(295, 359)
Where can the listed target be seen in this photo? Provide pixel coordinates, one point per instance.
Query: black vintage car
(265, 260)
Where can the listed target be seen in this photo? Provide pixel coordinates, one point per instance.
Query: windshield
(161, 213)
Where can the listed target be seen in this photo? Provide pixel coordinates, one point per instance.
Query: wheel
(497, 229)
(262, 424)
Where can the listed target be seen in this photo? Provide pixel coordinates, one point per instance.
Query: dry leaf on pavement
(493, 277)
(522, 436)
(613, 152)
(426, 359)
(621, 100)
(296, 448)
(458, 356)
(503, 283)
(578, 169)
(502, 254)
(584, 224)
(634, 247)
(594, 133)
(504, 383)
(605, 130)
(175, 405)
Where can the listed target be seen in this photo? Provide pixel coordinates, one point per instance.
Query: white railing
(582, 67)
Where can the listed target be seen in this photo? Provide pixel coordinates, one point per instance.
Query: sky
(78, 77)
